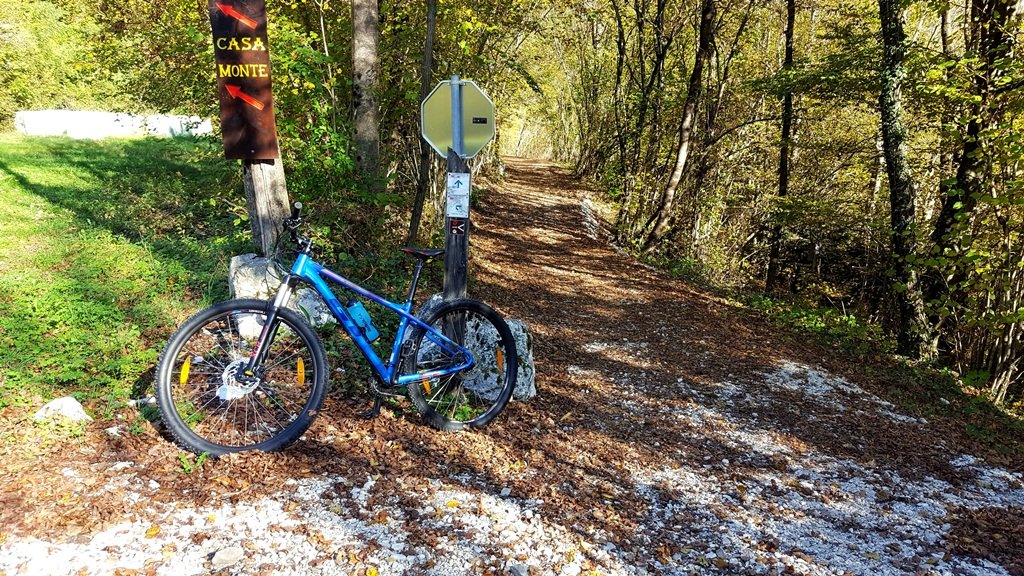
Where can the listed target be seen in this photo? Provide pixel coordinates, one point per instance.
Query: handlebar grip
(296, 210)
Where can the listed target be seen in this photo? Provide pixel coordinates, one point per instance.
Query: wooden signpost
(242, 55)
(249, 132)
(457, 120)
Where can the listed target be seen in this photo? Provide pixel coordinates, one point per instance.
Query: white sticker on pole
(458, 195)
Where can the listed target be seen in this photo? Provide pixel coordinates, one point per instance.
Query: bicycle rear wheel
(474, 396)
(208, 409)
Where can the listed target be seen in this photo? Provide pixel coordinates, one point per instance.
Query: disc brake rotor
(231, 388)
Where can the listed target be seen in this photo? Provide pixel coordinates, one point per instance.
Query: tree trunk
(693, 95)
(426, 152)
(365, 67)
(775, 241)
(912, 334)
(989, 19)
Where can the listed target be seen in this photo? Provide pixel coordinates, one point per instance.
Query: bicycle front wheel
(474, 396)
(208, 408)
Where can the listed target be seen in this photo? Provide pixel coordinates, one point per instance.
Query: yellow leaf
(372, 571)
(153, 531)
(452, 504)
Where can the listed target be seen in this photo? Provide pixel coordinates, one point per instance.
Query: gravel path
(671, 436)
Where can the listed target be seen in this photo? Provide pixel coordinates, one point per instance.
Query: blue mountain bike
(252, 374)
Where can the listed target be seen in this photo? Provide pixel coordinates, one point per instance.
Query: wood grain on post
(266, 196)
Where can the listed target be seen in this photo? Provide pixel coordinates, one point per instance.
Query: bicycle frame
(317, 276)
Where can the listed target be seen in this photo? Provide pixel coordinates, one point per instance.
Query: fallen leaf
(153, 531)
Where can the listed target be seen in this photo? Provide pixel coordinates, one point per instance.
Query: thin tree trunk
(912, 334)
(775, 252)
(365, 68)
(622, 219)
(693, 95)
(989, 19)
(426, 152)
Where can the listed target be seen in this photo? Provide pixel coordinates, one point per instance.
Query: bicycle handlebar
(292, 224)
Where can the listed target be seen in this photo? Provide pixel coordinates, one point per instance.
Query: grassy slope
(104, 248)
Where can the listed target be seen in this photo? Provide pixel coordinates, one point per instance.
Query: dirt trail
(672, 434)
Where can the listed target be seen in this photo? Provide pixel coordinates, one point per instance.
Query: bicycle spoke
(463, 395)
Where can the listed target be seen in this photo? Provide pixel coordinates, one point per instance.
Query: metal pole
(456, 242)
(457, 132)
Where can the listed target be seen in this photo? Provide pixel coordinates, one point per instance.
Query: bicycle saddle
(423, 253)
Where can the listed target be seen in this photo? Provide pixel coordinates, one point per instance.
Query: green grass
(104, 248)
(835, 327)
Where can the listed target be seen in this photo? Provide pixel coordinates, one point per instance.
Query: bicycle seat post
(415, 281)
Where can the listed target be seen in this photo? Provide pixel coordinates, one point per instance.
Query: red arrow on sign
(236, 92)
(230, 11)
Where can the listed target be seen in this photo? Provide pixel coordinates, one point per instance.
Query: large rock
(252, 276)
(526, 379)
(478, 338)
(67, 408)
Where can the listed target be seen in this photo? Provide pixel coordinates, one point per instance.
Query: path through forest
(672, 434)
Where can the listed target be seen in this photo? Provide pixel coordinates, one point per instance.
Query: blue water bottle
(362, 319)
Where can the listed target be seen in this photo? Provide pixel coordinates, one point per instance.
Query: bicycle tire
(474, 397)
(206, 409)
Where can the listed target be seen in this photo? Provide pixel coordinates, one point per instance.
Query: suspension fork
(259, 354)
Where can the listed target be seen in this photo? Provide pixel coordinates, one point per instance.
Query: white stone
(526, 384)
(227, 556)
(249, 276)
(252, 276)
(66, 407)
(486, 385)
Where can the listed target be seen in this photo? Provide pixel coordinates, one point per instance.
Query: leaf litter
(671, 436)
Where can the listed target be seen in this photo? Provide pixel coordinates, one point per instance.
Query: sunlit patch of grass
(105, 248)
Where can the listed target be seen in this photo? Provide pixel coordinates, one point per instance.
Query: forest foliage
(725, 154)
